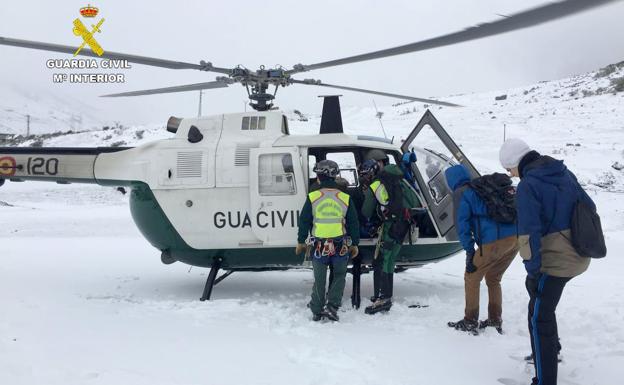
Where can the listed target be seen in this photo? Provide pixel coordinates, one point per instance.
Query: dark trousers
(383, 283)
(544, 293)
(336, 286)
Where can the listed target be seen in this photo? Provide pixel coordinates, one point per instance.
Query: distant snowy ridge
(105, 136)
(42, 112)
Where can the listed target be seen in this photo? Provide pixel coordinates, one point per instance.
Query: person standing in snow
(497, 247)
(546, 197)
(391, 197)
(329, 216)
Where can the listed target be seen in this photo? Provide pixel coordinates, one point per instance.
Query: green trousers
(389, 250)
(336, 288)
(383, 265)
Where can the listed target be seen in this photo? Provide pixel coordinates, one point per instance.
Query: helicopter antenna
(379, 115)
(199, 113)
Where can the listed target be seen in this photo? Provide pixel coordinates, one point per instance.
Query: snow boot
(317, 317)
(382, 304)
(383, 300)
(496, 324)
(465, 325)
(331, 313)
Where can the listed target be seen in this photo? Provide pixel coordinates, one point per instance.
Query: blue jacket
(473, 224)
(546, 197)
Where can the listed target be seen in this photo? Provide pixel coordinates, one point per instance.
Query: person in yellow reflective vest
(379, 198)
(332, 222)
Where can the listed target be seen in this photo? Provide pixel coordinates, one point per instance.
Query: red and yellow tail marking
(7, 166)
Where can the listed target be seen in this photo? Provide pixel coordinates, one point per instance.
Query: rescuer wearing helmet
(394, 198)
(329, 217)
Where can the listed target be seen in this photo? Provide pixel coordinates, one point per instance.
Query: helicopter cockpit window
(350, 175)
(253, 123)
(438, 187)
(347, 166)
(275, 175)
(432, 168)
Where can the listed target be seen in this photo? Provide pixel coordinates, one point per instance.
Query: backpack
(586, 230)
(395, 209)
(499, 196)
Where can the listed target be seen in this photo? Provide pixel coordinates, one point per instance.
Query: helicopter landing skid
(212, 278)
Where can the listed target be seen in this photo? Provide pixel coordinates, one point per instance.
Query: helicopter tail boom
(60, 165)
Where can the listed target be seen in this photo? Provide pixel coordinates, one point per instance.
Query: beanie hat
(512, 152)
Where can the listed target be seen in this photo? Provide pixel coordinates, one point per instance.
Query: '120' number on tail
(41, 166)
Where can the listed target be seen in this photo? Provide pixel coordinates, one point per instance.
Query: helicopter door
(440, 152)
(277, 193)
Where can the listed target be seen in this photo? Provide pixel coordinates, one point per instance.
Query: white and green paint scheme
(236, 193)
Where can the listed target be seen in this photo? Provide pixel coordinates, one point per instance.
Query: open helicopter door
(440, 152)
(277, 193)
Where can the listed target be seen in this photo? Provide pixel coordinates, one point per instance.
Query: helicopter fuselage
(234, 194)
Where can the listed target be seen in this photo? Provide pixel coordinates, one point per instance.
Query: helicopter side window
(311, 173)
(285, 129)
(275, 175)
(311, 163)
(253, 123)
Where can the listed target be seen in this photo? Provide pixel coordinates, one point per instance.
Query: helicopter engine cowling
(173, 123)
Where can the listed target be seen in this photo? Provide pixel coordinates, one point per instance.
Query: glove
(533, 271)
(532, 283)
(301, 247)
(354, 251)
(470, 267)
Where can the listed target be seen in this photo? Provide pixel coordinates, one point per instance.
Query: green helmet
(327, 168)
(376, 154)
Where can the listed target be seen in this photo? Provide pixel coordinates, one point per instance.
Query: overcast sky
(270, 32)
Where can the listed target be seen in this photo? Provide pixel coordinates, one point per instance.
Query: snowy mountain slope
(48, 112)
(579, 119)
(587, 132)
(86, 300)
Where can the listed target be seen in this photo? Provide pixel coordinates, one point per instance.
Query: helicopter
(224, 192)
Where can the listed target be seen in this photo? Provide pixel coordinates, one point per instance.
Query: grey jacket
(559, 258)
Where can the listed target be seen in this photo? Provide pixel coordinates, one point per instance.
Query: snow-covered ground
(86, 300)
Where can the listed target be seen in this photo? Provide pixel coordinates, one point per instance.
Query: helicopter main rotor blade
(313, 82)
(166, 90)
(524, 19)
(150, 61)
